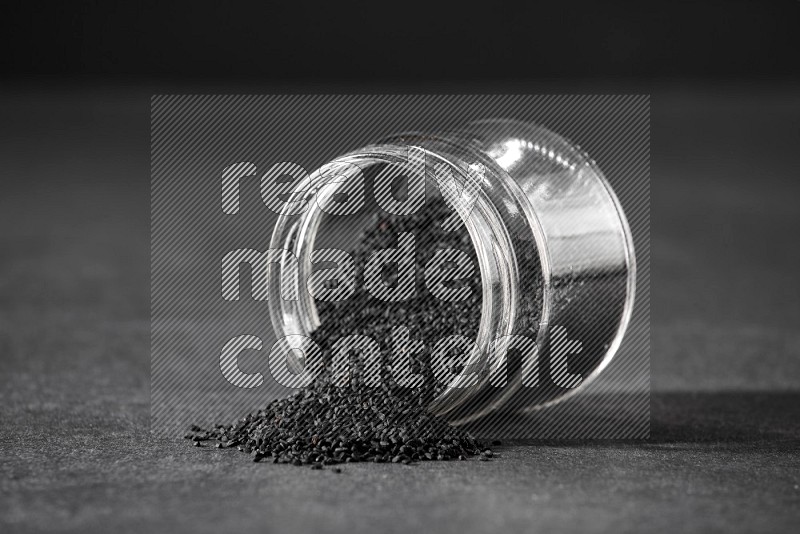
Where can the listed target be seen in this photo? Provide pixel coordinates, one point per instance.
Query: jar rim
(489, 236)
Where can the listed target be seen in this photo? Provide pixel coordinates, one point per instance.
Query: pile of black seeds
(326, 424)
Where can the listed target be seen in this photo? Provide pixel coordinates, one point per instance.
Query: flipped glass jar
(553, 246)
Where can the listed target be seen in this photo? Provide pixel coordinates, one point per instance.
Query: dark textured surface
(724, 462)
(74, 362)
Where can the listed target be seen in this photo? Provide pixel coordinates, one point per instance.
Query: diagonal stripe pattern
(204, 144)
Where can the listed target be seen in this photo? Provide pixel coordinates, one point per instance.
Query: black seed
(326, 424)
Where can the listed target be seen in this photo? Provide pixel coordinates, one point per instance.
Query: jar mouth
(487, 230)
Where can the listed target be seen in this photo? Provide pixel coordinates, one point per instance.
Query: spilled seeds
(326, 424)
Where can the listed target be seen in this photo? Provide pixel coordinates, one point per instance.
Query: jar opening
(445, 180)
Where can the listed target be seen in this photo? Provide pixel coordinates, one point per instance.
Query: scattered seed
(327, 424)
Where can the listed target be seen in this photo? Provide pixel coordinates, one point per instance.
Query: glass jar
(554, 250)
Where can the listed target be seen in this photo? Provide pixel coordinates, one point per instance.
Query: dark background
(74, 274)
(406, 43)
